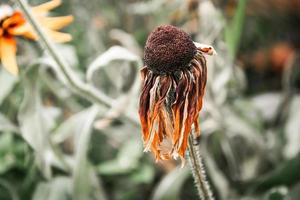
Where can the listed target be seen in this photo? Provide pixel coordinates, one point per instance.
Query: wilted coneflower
(174, 79)
(13, 23)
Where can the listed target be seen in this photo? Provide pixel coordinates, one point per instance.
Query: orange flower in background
(174, 80)
(13, 23)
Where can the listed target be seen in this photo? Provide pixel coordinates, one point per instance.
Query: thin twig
(198, 171)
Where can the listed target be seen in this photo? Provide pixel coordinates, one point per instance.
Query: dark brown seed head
(168, 49)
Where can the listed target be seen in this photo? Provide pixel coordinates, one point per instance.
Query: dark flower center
(168, 49)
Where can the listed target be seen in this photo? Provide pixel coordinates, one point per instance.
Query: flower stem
(198, 171)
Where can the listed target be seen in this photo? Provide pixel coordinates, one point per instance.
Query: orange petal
(16, 19)
(58, 36)
(56, 23)
(46, 7)
(8, 50)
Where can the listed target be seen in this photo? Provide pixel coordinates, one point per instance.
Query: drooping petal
(178, 107)
(145, 101)
(169, 106)
(8, 50)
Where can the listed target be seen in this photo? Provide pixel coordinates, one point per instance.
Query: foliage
(58, 142)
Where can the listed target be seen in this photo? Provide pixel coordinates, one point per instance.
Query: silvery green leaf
(69, 53)
(238, 126)
(170, 186)
(56, 189)
(267, 104)
(218, 178)
(7, 125)
(219, 84)
(143, 8)
(84, 185)
(292, 130)
(127, 159)
(126, 39)
(7, 83)
(209, 125)
(117, 54)
(144, 174)
(36, 121)
(69, 57)
(33, 125)
(113, 53)
(115, 72)
(70, 126)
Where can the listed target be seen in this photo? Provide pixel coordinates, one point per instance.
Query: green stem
(198, 171)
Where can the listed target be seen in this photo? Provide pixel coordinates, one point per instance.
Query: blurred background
(58, 144)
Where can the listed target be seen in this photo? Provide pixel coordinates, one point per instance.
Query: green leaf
(170, 186)
(233, 30)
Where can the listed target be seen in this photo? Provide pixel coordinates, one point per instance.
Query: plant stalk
(198, 170)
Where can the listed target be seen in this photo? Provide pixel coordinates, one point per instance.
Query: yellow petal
(46, 7)
(24, 30)
(59, 37)
(8, 50)
(56, 23)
